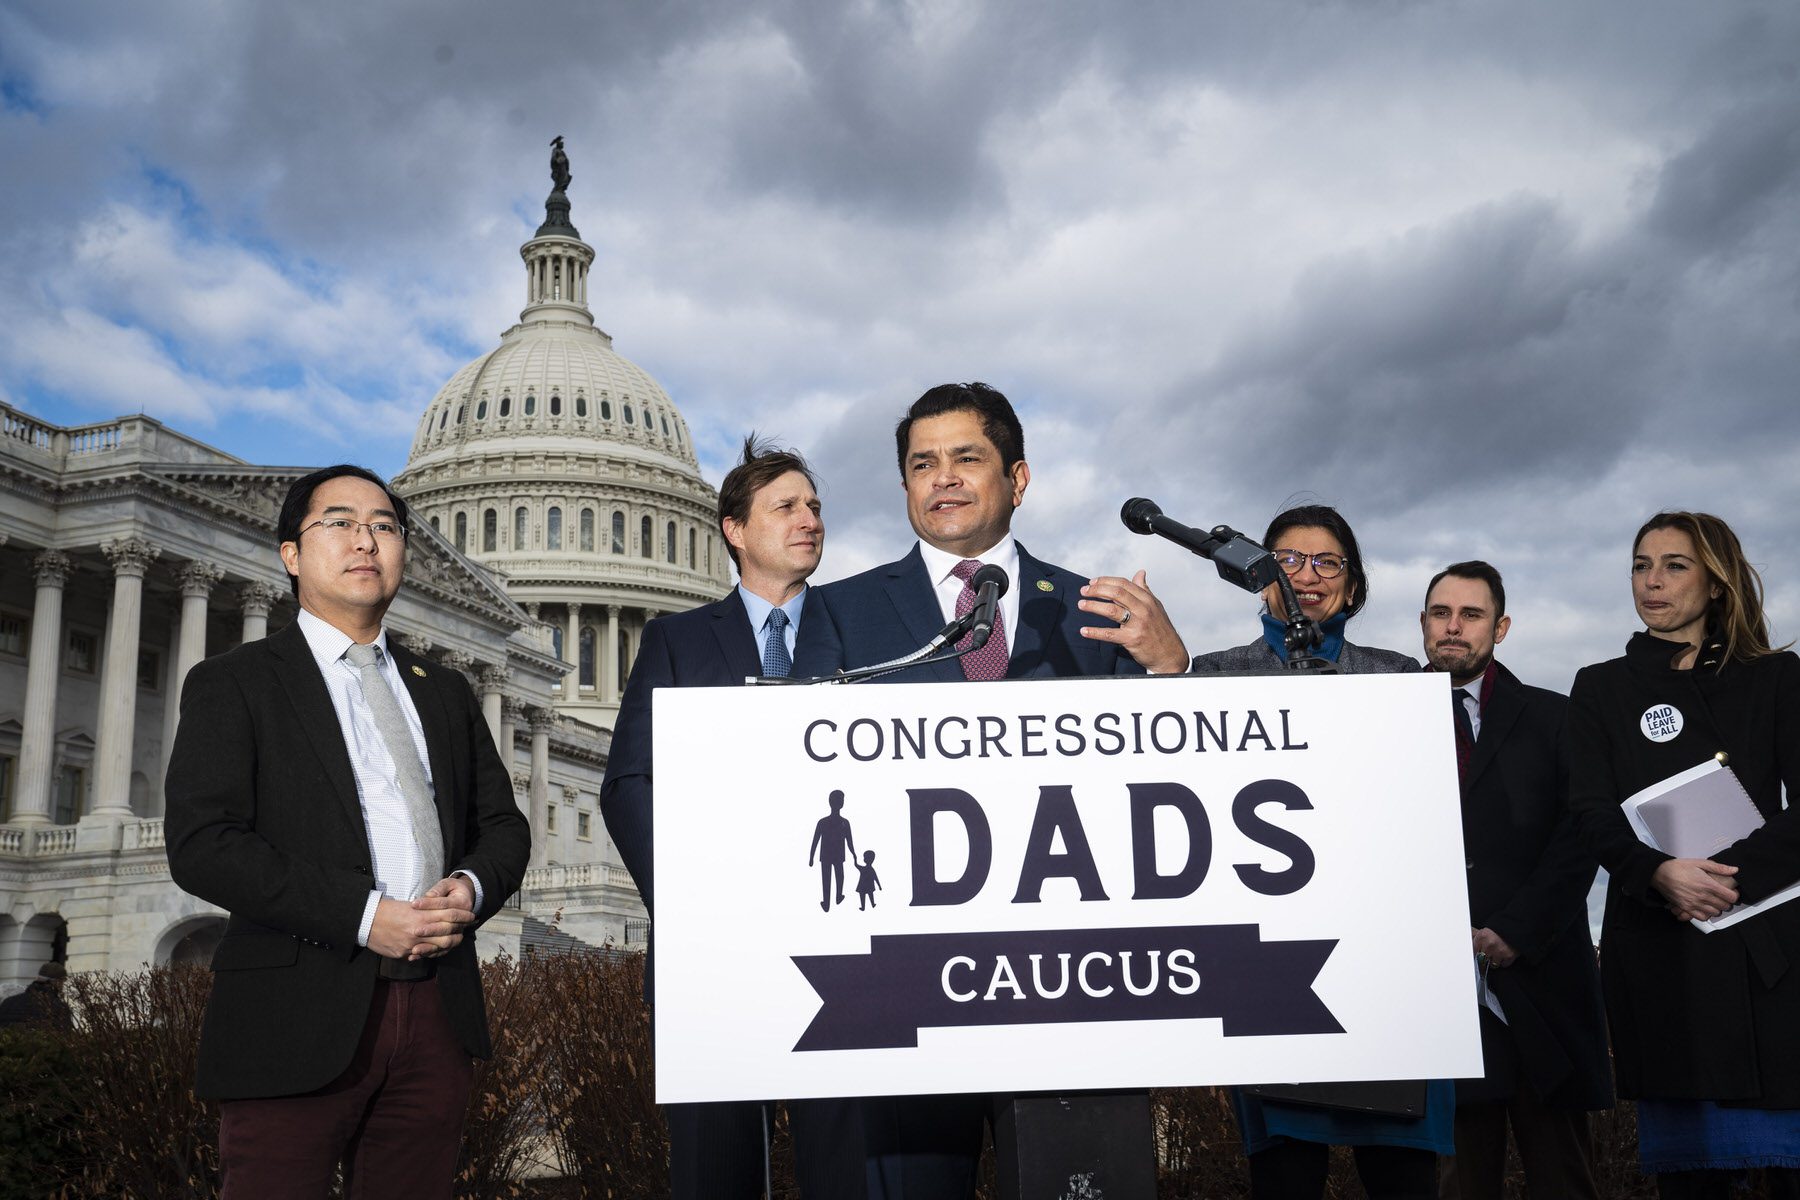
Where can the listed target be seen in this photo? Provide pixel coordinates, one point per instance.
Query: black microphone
(1239, 560)
(990, 584)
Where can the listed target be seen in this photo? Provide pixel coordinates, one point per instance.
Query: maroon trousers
(393, 1119)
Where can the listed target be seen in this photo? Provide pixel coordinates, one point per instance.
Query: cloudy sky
(1497, 279)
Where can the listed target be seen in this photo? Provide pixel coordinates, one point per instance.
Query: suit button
(1469, 865)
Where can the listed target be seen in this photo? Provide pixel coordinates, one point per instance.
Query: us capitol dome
(562, 466)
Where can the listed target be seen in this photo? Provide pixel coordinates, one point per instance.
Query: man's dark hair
(1323, 516)
(998, 421)
(762, 463)
(299, 503)
(1473, 569)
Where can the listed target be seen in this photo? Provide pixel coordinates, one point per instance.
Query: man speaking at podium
(962, 465)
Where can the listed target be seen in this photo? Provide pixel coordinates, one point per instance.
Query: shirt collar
(759, 609)
(939, 564)
(327, 642)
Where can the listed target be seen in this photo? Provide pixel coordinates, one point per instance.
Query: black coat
(264, 821)
(1529, 877)
(1695, 1016)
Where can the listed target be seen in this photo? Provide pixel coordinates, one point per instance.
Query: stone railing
(572, 875)
(146, 834)
(43, 841)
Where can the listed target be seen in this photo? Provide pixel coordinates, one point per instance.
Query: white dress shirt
(393, 851)
(940, 566)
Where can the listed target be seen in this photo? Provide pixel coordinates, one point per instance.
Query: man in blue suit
(770, 517)
(962, 464)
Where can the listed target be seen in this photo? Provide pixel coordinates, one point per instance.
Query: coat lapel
(737, 641)
(1041, 610)
(909, 589)
(1498, 715)
(304, 687)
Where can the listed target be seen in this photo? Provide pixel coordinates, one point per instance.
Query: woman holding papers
(1289, 1143)
(1705, 1025)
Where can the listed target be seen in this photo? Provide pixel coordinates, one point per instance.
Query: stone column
(572, 653)
(131, 558)
(43, 666)
(493, 684)
(543, 720)
(256, 599)
(512, 714)
(609, 657)
(197, 582)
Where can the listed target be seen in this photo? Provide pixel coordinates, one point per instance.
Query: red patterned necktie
(989, 662)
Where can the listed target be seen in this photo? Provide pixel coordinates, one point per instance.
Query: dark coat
(891, 610)
(1695, 1016)
(710, 646)
(264, 821)
(1529, 876)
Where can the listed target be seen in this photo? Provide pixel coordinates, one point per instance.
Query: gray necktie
(390, 723)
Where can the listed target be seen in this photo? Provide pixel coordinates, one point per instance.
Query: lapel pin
(419, 671)
(1044, 585)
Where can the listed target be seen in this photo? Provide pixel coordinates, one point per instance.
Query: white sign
(1058, 884)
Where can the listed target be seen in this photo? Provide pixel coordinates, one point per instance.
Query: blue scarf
(1275, 634)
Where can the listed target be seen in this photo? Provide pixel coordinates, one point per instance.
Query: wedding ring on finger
(1125, 616)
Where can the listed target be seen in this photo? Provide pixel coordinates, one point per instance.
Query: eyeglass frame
(1301, 559)
(346, 526)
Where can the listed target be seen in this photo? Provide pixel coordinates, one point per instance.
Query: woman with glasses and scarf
(1705, 1026)
(1289, 1144)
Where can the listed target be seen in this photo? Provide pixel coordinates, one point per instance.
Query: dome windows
(462, 533)
(587, 531)
(521, 530)
(553, 529)
(618, 533)
(665, 424)
(506, 406)
(444, 418)
(555, 405)
(646, 539)
(481, 410)
(669, 550)
(490, 529)
(581, 406)
(460, 410)
(530, 405)
(605, 409)
(628, 417)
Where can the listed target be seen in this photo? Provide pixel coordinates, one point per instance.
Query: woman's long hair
(1736, 614)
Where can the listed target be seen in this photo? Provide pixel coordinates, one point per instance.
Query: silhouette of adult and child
(831, 841)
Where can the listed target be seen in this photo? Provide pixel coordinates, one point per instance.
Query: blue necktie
(775, 657)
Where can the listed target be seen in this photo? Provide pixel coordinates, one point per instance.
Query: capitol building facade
(557, 507)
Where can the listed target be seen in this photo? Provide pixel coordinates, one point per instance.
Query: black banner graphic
(909, 982)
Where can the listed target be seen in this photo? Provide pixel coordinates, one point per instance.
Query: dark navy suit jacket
(891, 610)
(711, 646)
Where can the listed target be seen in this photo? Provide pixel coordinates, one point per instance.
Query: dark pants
(394, 1118)
(923, 1147)
(1555, 1148)
(716, 1150)
(1783, 1183)
(1295, 1170)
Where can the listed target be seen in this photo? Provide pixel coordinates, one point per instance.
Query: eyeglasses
(344, 527)
(1327, 565)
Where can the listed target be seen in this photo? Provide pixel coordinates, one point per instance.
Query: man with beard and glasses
(1543, 1032)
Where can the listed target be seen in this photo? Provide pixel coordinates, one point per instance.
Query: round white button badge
(1661, 722)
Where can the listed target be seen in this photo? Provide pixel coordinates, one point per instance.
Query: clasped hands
(1696, 888)
(427, 927)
